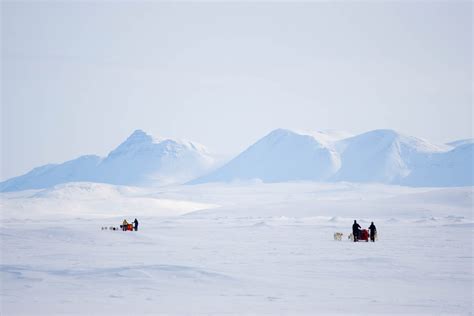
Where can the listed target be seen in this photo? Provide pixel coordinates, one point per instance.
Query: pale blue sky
(78, 78)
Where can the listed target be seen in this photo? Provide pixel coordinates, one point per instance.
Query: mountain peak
(139, 136)
(281, 155)
(383, 133)
(137, 139)
(280, 132)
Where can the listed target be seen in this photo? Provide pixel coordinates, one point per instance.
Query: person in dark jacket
(135, 222)
(373, 231)
(355, 230)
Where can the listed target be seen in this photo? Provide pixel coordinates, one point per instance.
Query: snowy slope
(81, 169)
(461, 142)
(282, 155)
(139, 160)
(452, 168)
(91, 200)
(384, 156)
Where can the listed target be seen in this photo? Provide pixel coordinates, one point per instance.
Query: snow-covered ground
(241, 248)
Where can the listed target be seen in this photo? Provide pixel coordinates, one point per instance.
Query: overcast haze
(78, 78)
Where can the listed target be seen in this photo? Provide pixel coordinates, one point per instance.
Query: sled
(363, 235)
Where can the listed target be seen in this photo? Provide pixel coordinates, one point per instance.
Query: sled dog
(338, 236)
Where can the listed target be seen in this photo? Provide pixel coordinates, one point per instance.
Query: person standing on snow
(373, 231)
(135, 222)
(355, 230)
(124, 225)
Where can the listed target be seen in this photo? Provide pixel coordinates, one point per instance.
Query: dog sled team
(360, 234)
(357, 232)
(126, 226)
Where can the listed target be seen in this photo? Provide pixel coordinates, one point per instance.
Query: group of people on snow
(125, 225)
(356, 231)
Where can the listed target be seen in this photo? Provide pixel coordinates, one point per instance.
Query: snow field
(268, 249)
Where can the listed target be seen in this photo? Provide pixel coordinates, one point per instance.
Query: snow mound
(261, 225)
(82, 190)
(95, 200)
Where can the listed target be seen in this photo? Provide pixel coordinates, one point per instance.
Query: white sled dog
(338, 236)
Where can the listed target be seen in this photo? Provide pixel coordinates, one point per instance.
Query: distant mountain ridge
(379, 156)
(139, 160)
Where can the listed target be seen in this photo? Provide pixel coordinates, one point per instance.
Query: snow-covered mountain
(452, 168)
(139, 160)
(383, 156)
(379, 156)
(282, 155)
(143, 160)
(386, 156)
